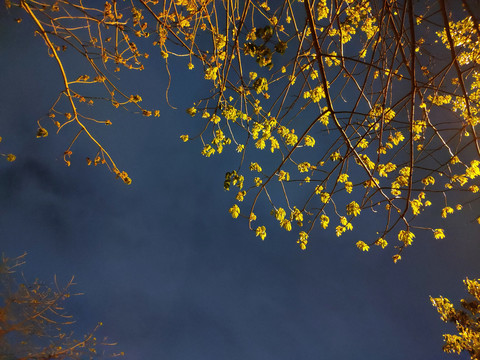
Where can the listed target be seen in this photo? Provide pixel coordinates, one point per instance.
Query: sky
(164, 266)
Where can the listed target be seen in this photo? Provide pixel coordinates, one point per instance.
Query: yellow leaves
(324, 118)
(369, 27)
(280, 214)
(286, 224)
(395, 188)
(440, 99)
(191, 111)
(42, 132)
(446, 210)
(260, 144)
(362, 246)
(11, 157)
(396, 138)
(215, 119)
(381, 242)
(369, 163)
(406, 237)
(290, 137)
(462, 35)
(219, 140)
(345, 225)
(339, 230)
(297, 216)
(325, 197)
(461, 179)
(405, 171)
(233, 178)
(348, 186)
(419, 126)
(258, 182)
(309, 141)
(384, 169)
(353, 209)
(274, 144)
(465, 320)
(335, 156)
(342, 178)
(379, 112)
(234, 211)
(429, 180)
(135, 98)
(444, 308)
(322, 10)
(304, 167)
(316, 94)
(473, 170)
(260, 85)
(396, 258)
(283, 176)
(255, 167)
(416, 206)
(122, 175)
(261, 231)
(220, 41)
(230, 113)
(211, 73)
(438, 234)
(344, 221)
(373, 182)
(332, 59)
(302, 240)
(324, 220)
(240, 195)
(473, 287)
(362, 144)
(184, 138)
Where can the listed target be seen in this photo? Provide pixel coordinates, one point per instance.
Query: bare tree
(33, 321)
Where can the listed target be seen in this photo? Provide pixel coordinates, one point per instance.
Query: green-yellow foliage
(328, 105)
(466, 319)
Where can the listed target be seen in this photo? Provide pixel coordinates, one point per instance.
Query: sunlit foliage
(466, 320)
(335, 110)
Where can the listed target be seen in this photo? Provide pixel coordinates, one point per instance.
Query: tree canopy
(334, 110)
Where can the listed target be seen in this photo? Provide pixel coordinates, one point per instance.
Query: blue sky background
(165, 267)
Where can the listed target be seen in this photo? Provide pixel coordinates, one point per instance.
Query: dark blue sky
(165, 267)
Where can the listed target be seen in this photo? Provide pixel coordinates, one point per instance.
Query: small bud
(42, 132)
